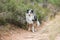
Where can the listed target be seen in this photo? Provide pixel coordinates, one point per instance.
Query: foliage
(14, 10)
(55, 2)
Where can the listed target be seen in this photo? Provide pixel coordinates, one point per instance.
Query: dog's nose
(29, 14)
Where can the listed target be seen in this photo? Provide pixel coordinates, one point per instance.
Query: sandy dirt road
(49, 31)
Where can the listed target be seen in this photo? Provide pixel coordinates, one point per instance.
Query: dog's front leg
(33, 29)
(28, 27)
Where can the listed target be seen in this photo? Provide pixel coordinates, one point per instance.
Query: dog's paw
(33, 31)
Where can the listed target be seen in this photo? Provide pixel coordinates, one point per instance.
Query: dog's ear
(32, 11)
(27, 11)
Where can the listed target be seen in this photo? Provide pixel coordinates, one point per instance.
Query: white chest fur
(29, 18)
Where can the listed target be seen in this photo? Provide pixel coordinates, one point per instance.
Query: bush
(13, 11)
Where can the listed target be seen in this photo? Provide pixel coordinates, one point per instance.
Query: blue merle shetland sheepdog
(32, 20)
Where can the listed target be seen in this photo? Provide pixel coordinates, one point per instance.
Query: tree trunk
(45, 2)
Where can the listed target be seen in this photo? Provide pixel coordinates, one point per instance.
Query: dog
(32, 20)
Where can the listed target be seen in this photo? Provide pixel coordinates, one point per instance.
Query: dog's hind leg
(35, 25)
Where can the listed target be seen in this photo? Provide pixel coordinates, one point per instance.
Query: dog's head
(30, 11)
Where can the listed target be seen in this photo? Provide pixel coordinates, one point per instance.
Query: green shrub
(14, 11)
